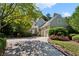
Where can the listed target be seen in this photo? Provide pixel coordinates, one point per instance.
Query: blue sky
(65, 9)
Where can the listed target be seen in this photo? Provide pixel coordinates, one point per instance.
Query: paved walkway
(37, 46)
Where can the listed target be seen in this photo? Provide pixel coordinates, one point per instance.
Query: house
(43, 27)
(56, 21)
(36, 25)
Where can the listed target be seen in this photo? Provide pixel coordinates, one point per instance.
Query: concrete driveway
(14, 40)
(31, 48)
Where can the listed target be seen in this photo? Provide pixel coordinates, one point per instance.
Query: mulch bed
(65, 52)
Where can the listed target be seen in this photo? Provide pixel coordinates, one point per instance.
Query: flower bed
(62, 38)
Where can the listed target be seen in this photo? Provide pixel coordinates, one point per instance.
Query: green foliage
(58, 31)
(76, 37)
(27, 34)
(2, 35)
(2, 46)
(74, 20)
(7, 30)
(2, 43)
(71, 30)
(69, 46)
(22, 34)
(17, 17)
(21, 26)
(72, 35)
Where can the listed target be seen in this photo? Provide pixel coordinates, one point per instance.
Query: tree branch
(8, 12)
(16, 17)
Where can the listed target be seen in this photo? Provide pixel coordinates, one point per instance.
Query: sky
(65, 9)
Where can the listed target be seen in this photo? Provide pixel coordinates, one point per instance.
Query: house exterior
(36, 26)
(56, 21)
(43, 27)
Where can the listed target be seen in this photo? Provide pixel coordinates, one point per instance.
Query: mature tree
(5, 11)
(10, 13)
(74, 20)
(18, 16)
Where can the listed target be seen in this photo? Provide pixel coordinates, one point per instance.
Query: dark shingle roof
(40, 22)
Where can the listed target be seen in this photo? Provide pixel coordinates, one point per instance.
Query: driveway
(14, 40)
(36, 46)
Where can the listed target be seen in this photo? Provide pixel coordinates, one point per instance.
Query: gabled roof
(40, 22)
(48, 23)
(55, 16)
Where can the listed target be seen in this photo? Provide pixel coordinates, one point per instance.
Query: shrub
(2, 45)
(2, 35)
(76, 38)
(7, 30)
(27, 34)
(22, 34)
(72, 35)
(62, 38)
(58, 31)
(71, 30)
(54, 37)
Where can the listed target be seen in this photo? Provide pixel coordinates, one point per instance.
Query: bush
(27, 34)
(7, 30)
(22, 34)
(71, 30)
(72, 35)
(58, 31)
(2, 35)
(76, 38)
(2, 45)
(62, 38)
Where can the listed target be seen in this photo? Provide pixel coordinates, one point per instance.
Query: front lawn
(70, 46)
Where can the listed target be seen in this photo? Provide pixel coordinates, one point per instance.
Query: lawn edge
(66, 53)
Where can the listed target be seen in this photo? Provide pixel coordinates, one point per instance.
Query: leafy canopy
(18, 15)
(74, 20)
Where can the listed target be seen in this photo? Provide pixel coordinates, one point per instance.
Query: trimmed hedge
(76, 38)
(58, 31)
(72, 35)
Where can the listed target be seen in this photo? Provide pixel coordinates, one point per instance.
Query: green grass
(68, 46)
